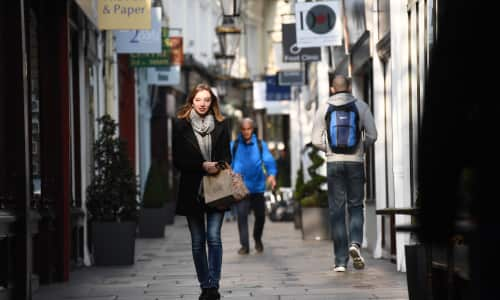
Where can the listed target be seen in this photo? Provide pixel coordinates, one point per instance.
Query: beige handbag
(240, 190)
(224, 188)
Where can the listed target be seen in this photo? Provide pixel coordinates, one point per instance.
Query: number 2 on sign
(134, 38)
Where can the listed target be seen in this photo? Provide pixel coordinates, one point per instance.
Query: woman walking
(200, 140)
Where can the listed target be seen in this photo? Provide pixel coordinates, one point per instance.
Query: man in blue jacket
(253, 160)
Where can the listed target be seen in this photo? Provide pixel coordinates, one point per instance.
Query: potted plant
(154, 210)
(112, 199)
(313, 199)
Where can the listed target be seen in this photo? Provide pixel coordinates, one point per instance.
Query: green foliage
(315, 200)
(111, 195)
(309, 193)
(156, 191)
(299, 184)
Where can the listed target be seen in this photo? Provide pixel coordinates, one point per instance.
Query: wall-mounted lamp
(231, 8)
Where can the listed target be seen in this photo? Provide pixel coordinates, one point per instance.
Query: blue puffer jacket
(247, 162)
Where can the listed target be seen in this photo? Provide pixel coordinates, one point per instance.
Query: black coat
(189, 161)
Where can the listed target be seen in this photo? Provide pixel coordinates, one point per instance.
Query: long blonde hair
(185, 110)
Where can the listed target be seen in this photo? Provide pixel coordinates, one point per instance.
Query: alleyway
(289, 268)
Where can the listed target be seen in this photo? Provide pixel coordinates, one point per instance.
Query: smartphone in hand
(221, 165)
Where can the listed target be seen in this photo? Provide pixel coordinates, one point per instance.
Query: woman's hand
(210, 167)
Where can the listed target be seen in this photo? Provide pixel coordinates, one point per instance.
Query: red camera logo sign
(321, 19)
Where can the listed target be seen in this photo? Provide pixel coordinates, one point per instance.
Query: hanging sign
(171, 54)
(318, 23)
(141, 41)
(291, 77)
(124, 14)
(294, 53)
(161, 59)
(176, 52)
(164, 76)
(274, 91)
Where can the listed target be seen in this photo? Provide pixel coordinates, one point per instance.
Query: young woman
(200, 140)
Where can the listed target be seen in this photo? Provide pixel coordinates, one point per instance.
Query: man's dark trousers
(256, 202)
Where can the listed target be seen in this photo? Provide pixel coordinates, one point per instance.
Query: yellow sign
(124, 14)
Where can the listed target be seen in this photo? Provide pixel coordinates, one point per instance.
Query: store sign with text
(318, 24)
(291, 77)
(124, 14)
(141, 41)
(164, 76)
(172, 53)
(274, 91)
(294, 53)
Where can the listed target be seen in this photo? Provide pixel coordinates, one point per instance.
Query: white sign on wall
(318, 23)
(259, 94)
(164, 76)
(271, 107)
(141, 41)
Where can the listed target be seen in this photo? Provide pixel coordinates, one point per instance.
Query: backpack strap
(327, 119)
(259, 144)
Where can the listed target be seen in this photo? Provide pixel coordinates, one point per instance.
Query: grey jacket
(366, 122)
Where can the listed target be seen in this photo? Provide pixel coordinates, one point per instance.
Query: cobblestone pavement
(289, 268)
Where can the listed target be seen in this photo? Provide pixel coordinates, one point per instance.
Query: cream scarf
(203, 127)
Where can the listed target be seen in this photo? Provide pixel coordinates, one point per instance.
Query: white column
(379, 115)
(144, 107)
(100, 104)
(116, 87)
(85, 145)
(295, 134)
(306, 128)
(111, 80)
(400, 108)
(323, 95)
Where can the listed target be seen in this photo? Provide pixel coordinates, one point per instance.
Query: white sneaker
(357, 260)
(339, 269)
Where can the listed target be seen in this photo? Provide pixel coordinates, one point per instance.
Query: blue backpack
(342, 126)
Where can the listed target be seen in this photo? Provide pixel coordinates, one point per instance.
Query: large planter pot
(170, 212)
(315, 223)
(113, 243)
(152, 222)
(416, 272)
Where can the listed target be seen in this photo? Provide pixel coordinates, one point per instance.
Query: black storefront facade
(40, 159)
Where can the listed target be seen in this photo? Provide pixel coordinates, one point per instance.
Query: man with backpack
(344, 128)
(253, 160)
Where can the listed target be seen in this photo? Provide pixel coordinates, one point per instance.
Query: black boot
(204, 294)
(213, 294)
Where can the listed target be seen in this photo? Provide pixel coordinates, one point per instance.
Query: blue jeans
(345, 185)
(207, 270)
(257, 203)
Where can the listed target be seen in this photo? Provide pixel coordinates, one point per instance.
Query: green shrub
(156, 191)
(299, 185)
(112, 193)
(309, 193)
